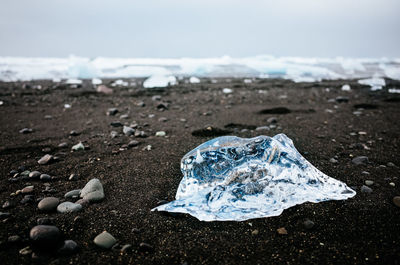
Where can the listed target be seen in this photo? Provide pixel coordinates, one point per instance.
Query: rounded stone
(45, 177)
(48, 204)
(366, 189)
(34, 174)
(396, 201)
(308, 224)
(93, 191)
(68, 207)
(69, 247)
(369, 182)
(105, 240)
(72, 194)
(28, 189)
(45, 235)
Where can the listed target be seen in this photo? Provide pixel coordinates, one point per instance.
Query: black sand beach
(329, 127)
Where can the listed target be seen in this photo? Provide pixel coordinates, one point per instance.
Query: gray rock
(73, 177)
(45, 177)
(272, 120)
(14, 239)
(48, 204)
(93, 191)
(105, 240)
(69, 247)
(144, 247)
(27, 189)
(45, 159)
(73, 194)
(124, 116)
(116, 124)
(390, 164)
(369, 182)
(308, 224)
(360, 160)
(45, 235)
(26, 130)
(126, 248)
(63, 145)
(78, 147)
(133, 143)
(366, 189)
(34, 174)
(112, 111)
(262, 128)
(333, 161)
(128, 130)
(396, 201)
(114, 134)
(68, 207)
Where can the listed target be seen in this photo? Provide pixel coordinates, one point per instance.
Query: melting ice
(236, 179)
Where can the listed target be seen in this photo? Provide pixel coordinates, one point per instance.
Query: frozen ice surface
(375, 83)
(159, 81)
(236, 179)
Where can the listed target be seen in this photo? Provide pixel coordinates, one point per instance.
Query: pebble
(48, 204)
(68, 207)
(25, 251)
(27, 189)
(369, 182)
(14, 239)
(34, 174)
(126, 248)
(360, 160)
(63, 145)
(45, 235)
(104, 89)
(27, 199)
(72, 194)
(161, 134)
(45, 159)
(74, 133)
(262, 128)
(366, 189)
(396, 201)
(162, 119)
(105, 240)
(254, 232)
(112, 111)
(128, 130)
(116, 124)
(392, 184)
(8, 205)
(114, 134)
(69, 247)
(124, 116)
(73, 177)
(333, 160)
(342, 99)
(390, 164)
(308, 224)
(93, 191)
(78, 147)
(133, 143)
(141, 134)
(282, 231)
(45, 177)
(26, 130)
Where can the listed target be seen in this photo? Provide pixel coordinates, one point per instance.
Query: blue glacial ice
(236, 179)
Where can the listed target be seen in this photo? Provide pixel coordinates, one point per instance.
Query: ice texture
(159, 81)
(236, 179)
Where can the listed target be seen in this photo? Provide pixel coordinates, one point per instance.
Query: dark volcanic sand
(364, 229)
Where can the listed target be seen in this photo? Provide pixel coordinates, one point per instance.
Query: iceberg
(237, 179)
(375, 83)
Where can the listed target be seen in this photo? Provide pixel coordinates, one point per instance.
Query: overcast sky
(204, 28)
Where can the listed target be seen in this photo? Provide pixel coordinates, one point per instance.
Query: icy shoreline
(293, 68)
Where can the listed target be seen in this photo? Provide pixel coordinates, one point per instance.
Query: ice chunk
(394, 90)
(375, 83)
(159, 81)
(232, 178)
(227, 90)
(96, 81)
(74, 81)
(194, 80)
(346, 87)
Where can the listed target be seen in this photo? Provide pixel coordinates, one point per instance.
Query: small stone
(25, 173)
(160, 134)
(63, 145)
(124, 116)
(69, 247)
(282, 231)
(68, 207)
(128, 130)
(392, 184)
(116, 124)
(72, 194)
(390, 164)
(25, 251)
(104, 89)
(14, 239)
(133, 143)
(162, 106)
(74, 133)
(308, 224)
(140, 134)
(45, 235)
(78, 147)
(156, 98)
(48, 204)
(34, 175)
(45, 177)
(365, 173)
(26, 130)
(396, 201)
(272, 120)
(93, 191)
(112, 111)
(360, 160)
(366, 189)
(227, 91)
(114, 134)
(333, 160)
(342, 99)
(144, 247)
(8, 205)
(27, 189)
(105, 240)
(254, 232)
(147, 148)
(369, 182)
(27, 199)
(73, 177)
(162, 119)
(45, 159)
(262, 128)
